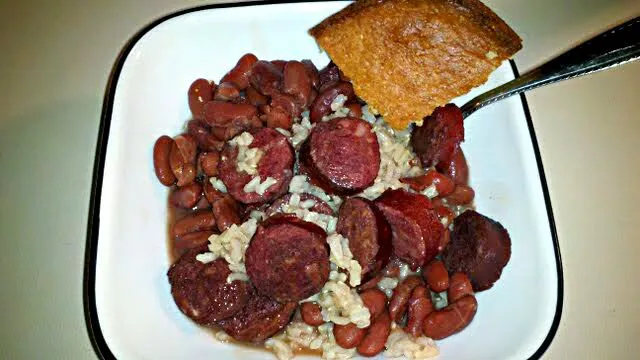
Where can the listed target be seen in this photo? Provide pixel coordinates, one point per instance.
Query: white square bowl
(129, 310)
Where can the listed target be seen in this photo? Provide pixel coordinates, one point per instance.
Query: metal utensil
(611, 48)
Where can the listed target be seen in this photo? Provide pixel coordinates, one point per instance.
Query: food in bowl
(301, 220)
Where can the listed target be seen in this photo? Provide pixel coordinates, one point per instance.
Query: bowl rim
(92, 322)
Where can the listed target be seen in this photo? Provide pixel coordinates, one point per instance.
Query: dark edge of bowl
(552, 225)
(96, 337)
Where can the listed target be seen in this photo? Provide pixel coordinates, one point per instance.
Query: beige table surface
(55, 59)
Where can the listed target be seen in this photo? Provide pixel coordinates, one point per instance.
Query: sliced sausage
(240, 73)
(401, 295)
(443, 184)
(186, 197)
(201, 290)
(373, 343)
(420, 306)
(455, 169)
(261, 318)
(200, 92)
(318, 206)
(161, 154)
(416, 230)
(369, 233)
(341, 155)
(288, 259)
(276, 163)
(479, 247)
(452, 319)
(311, 314)
(439, 136)
(348, 336)
(436, 276)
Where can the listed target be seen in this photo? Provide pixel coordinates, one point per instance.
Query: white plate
(129, 310)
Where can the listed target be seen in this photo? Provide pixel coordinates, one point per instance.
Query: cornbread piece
(406, 57)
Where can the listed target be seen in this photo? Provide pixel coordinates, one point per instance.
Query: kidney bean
(456, 169)
(226, 91)
(278, 118)
(459, 286)
(322, 104)
(296, 82)
(328, 76)
(312, 97)
(242, 100)
(436, 275)
(312, 72)
(419, 307)
(203, 204)
(236, 127)
(287, 103)
(187, 196)
(444, 241)
(205, 139)
(443, 184)
(279, 64)
(348, 336)
(373, 343)
(462, 195)
(189, 241)
(266, 78)
(200, 92)
(450, 320)
(209, 162)
(342, 76)
(255, 98)
(223, 113)
(195, 221)
(226, 211)
(161, 155)
(401, 295)
(371, 283)
(311, 314)
(375, 300)
(182, 159)
(355, 110)
(240, 74)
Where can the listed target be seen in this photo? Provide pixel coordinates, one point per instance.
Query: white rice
(301, 130)
(401, 344)
(299, 185)
(343, 258)
(231, 245)
(430, 191)
(341, 304)
(257, 186)
(248, 158)
(218, 184)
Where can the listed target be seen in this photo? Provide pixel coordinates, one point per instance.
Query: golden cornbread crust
(406, 57)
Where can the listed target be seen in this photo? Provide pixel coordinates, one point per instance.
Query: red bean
(255, 98)
(266, 78)
(296, 82)
(186, 197)
(239, 75)
(205, 139)
(459, 286)
(223, 113)
(375, 300)
(208, 162)
(312, 71)
(348, 336)
(373, 343)
(226, 211)
(322, 104)
(200, 92)
(161, 152)
(456, 169)
(311, 314)
(462, 195)
(443, 184)
(420, 307)
(190, 241)
(452, 319)
(401, 295)
(226, 91)
(182, 159)
(194, 222)
(355, 110)
(437, 276)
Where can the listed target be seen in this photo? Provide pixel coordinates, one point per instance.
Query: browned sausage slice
(416, 230)
(479, 247)
(259, 319)
(439, 136)
(319, 205)
(201, 290)
(369, 234)
(287, 260)
(276, 162)
(341, 155)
